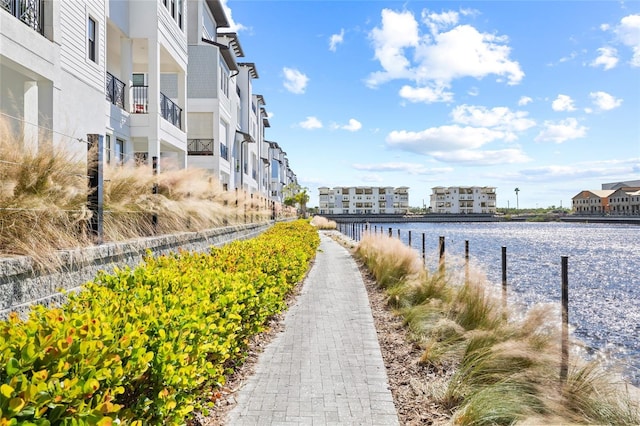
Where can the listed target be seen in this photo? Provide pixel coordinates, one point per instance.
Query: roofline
(219, 14)
(253, 72)
(234, 43)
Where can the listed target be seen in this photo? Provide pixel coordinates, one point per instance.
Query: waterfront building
(156, 78)
(625, 201)
(364, 200)
(463, 199)
(592, 202)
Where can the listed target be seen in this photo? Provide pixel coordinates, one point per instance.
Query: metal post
(398, 233)
(423, 251)
(504, 282)
(564, 365)
(390, 232)
(154, 217)
(466, 261)
(409, 238)
(441, 249)
(95, 196)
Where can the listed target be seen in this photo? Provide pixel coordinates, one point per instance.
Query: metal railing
(140, 99)
(28, 11)
(224, 151)
(200, 146)
(115, 90)
(170, 111)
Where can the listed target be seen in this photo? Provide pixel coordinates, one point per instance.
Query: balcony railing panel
(115, 91)
(170, 111)
(224, 151)
(140, 99)
(28, 11)
(200, 146)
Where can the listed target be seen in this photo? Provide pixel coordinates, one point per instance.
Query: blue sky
(542, 95)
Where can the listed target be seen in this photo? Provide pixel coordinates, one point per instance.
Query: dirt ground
(411, 383)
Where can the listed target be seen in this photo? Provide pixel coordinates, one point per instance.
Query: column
(30, 115)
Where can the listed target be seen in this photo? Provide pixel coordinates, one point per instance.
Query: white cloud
(311, 123)
(483, 158)
(372, 178)
(294, 80)
(608, 58)
(410, 168)
(563, 103)
(426, 94)
(498, 118)
(233, 26)
(353, 126)
(444, 138)
(440, 57)
(629, 34)
(524, 100)
(605, 101)
(335, 40)
(439, 21)
(579, 171)
(561, 131)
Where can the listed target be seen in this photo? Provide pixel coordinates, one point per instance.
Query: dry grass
(43, 198)
(323, 223)
(505, 371)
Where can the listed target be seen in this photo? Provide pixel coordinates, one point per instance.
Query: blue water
(604, 273)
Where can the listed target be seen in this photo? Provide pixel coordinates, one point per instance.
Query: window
(91, 39)
(224, 78)
(118, 152)
(107, 147)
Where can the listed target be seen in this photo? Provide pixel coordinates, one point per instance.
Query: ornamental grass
(503, 368)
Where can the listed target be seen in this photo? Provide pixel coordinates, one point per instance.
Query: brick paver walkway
(326, 367)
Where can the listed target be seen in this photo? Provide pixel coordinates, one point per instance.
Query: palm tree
(517, 201)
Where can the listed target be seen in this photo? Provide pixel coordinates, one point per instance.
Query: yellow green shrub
(141, 345)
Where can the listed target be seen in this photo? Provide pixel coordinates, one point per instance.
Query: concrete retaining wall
(22, 284)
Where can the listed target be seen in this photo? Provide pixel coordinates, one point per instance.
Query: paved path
(326, 367)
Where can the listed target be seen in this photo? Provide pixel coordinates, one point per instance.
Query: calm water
(604, 272)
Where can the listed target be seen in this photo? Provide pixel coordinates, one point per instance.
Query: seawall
(23, 283)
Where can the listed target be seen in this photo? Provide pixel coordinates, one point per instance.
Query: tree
(302, 198)
(517, 201)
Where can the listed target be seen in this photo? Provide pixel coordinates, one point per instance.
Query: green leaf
(13, 367)
(6, 391)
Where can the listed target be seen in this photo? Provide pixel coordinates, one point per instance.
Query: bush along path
(153, 344)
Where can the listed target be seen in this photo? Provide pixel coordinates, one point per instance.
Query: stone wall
(23, 284)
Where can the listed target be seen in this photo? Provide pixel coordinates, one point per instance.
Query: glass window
(91, 39)
(118, 152)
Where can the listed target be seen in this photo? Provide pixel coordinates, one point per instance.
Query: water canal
(604, 272)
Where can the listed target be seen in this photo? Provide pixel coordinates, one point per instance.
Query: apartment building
(625, 202)
(592, 202)
(157, 78)
(463, 199)
(364, 200)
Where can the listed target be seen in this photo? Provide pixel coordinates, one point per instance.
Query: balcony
(115, 91)
(200, 146)
(170, 111)
(28, 11)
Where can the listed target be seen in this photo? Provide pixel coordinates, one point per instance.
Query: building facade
(592, 202)
(157, 78)
(364, 200)
(463, 199)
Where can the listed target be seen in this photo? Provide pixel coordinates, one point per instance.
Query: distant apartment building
(615, 198)
(463, 199)
(363, 200)
(156, 78)
(592, 202)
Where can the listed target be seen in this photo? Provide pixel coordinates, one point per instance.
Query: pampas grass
(321, 222)
(43, 198)
(504, 371)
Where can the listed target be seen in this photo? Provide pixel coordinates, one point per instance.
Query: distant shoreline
(435, 218)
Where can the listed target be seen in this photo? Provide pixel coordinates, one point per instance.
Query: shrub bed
(149, 345)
